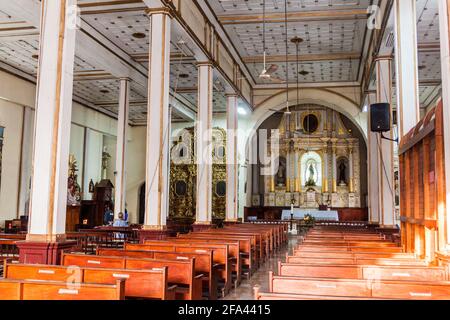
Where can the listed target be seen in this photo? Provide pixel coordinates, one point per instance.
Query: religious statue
(311, 182)
(105, 162)
(342, 173)
(281, 175)
(73, 189)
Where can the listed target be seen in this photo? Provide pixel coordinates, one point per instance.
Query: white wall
(11, 118)
(16, 93)
(135, 170)
(77, 149)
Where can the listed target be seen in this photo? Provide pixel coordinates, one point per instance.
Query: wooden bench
(54, 290)
(233, 250)
(350, 249)
(149, 284)
(382, 289)
(220, 255)
(351, 255)
(360, 261)
(248, 247)
(180, 272)
(203, 263)
(261, 241)
(364, 272)
(258, 295)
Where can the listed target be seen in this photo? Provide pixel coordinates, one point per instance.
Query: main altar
(317, 163)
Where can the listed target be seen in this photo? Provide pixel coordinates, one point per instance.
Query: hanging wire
(264, 33)
(287, 54)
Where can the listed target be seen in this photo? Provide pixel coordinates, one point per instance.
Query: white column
(373, 171)
(158, 126)
(385, 148)
(232, 161)
(121, 150)
(52, 123)
(350, 169)
(288, 170)
(444, 22)
(26, 161)
(334, 166)
(296, 172)
(325, 179)
(204, 141)
(406, 62)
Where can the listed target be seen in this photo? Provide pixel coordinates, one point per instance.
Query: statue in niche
(342, 174)
(281, 174)
(311, 174)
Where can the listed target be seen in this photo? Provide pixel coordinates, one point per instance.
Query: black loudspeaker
(380, 117)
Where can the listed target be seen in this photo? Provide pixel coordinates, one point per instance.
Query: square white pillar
(232, 159)
(53, 120)
(406, 62)
(158, 122)
(204, 144)
(121, 150)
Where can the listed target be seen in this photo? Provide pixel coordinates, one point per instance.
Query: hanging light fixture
(288, 112)
(267, 73)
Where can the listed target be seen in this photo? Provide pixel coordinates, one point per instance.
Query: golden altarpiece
(318, 162)
(183, 176)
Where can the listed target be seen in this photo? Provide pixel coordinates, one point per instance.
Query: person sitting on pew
(120, 222)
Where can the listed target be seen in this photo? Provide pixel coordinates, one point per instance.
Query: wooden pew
(350, 249)
(351, 255)
(220, 255)
(203, 263)
(382, 289)
(410, 273)
(350, 243)
(258, 241)
(233, 250)
(180, 272)
(360, 261)
(149, 284)
(55, 290)
(247, 248)
(258, 295)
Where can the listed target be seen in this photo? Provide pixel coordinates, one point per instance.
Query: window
(1, 149)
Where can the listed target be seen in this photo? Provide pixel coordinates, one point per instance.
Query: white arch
(277, 102)
(323, 97)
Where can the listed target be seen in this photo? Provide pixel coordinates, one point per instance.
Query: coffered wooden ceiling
(334, 33)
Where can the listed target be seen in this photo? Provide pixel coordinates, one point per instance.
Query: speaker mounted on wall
(380, 117)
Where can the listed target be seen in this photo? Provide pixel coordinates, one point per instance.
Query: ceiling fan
(267, 73)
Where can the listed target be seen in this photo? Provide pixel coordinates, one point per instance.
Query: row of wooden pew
(198, 265)
(340, 265)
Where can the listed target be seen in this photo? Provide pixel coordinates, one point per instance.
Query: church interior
(225, 149)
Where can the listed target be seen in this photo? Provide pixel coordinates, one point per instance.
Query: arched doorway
(142, 204)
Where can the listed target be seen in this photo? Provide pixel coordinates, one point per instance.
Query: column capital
(164, 10)
(231, 95)
(205, 64)
(125, 79)
(383, 58)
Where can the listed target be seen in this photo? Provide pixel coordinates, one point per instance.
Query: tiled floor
(261, 277)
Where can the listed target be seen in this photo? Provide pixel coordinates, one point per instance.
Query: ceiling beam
(309, 57)
(91, 46)
(295, 16)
